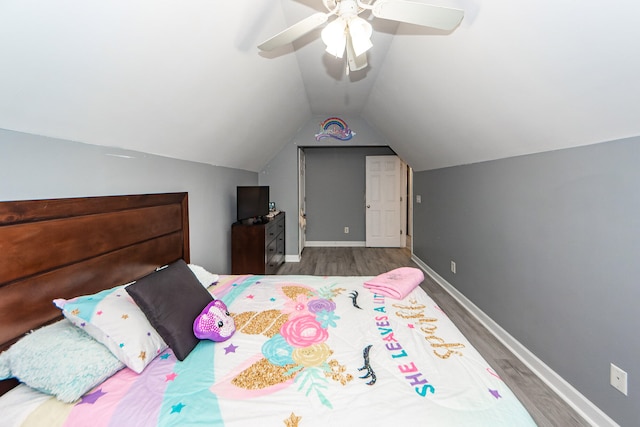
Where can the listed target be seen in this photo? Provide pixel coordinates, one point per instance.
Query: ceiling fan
(351, 33)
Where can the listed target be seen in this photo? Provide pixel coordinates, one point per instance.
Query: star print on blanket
(304, 353)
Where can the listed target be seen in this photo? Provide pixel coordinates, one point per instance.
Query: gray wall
(281, 173)
(335, 191)
(547, 245)
(35, 167)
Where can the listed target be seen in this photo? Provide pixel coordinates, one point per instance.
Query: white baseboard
(328, 244)
(590, 412)
(292, 258)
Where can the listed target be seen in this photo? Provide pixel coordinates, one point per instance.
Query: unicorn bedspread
(308, 351)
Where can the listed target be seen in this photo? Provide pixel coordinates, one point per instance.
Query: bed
(307, 350)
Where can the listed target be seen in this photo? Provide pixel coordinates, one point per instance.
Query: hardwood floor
(544, 405)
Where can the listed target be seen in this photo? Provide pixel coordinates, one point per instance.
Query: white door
(383, 201)
(302, 215)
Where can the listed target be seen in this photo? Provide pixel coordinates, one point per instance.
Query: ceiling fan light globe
(335, 51)
(360, 32)
(355, 62)
(334, 36)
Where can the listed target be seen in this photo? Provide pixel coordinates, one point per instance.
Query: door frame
(302, 216)
(404, 190)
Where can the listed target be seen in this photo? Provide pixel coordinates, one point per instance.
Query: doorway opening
(332, 196)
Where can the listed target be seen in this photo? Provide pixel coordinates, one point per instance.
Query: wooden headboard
(63, 248)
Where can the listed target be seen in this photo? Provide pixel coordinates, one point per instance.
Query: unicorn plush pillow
(214, 322)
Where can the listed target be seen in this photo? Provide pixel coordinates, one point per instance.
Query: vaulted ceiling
(184, 78)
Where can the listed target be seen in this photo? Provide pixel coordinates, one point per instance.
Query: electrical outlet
(619, 379)
(346, 230)
(453, 267)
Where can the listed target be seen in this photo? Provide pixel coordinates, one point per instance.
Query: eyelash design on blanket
(370, 373)
(354, 299)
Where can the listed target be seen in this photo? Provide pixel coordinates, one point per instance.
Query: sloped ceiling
(184, 79)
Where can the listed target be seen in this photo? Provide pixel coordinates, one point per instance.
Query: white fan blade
(427, 15)
(295, 31)
(355, 62)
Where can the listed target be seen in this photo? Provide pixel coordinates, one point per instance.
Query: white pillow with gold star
(114, 319)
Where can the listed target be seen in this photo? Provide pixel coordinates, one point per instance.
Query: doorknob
(368, 206)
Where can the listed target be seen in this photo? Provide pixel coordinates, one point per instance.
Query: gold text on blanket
(428, 326)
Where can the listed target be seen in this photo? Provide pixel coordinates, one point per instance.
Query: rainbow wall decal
(335, 128)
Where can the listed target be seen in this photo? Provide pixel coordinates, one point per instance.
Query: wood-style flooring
(544, 405)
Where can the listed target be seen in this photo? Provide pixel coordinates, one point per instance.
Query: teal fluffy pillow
(60, 360)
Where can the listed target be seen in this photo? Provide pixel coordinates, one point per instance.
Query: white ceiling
(183, 78)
